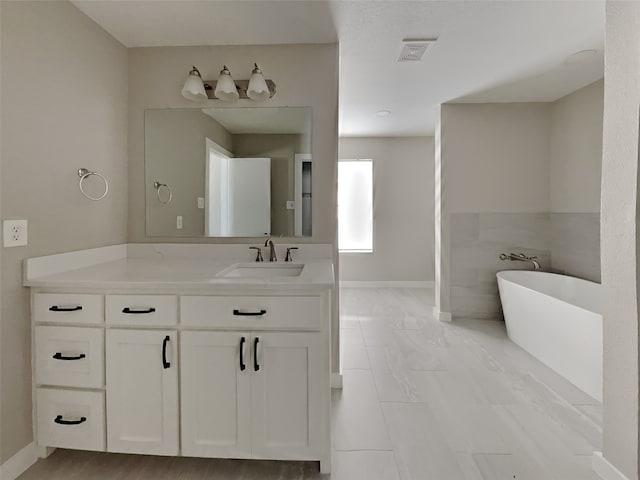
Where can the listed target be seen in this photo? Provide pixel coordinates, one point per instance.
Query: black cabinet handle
(56, 308)
(242, 365)
(60, 421)
(238, 313)
(256, 365)
(59, 356)
(165, 364)
(136, 311)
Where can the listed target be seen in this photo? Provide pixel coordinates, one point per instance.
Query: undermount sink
(262, 270)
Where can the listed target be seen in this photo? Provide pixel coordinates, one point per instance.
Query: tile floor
(422, 400)
(451, 401)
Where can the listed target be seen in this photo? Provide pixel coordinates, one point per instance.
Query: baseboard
(442, 316)
(336, 381)
(604, 469)
(19, 463)
(387, 284)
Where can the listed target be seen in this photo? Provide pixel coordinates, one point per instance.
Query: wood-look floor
(422, 400)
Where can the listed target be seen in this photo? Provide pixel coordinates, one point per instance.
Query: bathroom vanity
(188, 350)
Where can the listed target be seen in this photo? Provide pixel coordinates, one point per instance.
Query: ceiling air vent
(413, 50)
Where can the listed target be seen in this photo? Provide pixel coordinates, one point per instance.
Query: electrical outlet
(15, 233)
(179, 222)
(291, 205)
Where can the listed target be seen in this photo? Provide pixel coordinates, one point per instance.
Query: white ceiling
(285, 120)
(487, 51)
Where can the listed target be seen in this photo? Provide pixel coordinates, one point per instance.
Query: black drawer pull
(59, 356)
(238, 313)
(56, 308)
(256, 365)
(242, 365)
(165, 364)
(137, 311)
(60, 421)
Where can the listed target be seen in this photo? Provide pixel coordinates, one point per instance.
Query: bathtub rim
(500, 275)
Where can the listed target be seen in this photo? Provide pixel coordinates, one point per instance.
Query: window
(355, 206)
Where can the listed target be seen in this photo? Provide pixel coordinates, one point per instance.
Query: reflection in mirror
(232, 172)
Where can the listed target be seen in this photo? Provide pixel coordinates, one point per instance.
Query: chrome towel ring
(83, 173)
(157, 185)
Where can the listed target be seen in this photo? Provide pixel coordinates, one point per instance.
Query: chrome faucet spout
(521, 257)
(272, 250)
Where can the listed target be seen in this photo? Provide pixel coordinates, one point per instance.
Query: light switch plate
(15, 233)
(200, 202)
(291, 205)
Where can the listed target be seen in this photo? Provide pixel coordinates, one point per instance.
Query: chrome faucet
(272, 251)
(521, 257)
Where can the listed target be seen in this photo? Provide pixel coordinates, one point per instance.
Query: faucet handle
(288, 257)
(259, 255)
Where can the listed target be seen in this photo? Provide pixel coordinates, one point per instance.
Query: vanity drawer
(71, 308)
(70, 356)
(71, 419)
(142, 310)
(300, 313)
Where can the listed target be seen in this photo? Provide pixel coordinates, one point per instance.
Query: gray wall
(494, 184)
(175, 141)
(305, 75)
(620, 236)
(64, 106)
(281, 149)
(576, 164)
(402, 212)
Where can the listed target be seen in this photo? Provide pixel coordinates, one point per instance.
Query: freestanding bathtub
(558, 320)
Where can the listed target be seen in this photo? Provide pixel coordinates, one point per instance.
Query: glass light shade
(193, 87)
(226, 89)
(257, 89)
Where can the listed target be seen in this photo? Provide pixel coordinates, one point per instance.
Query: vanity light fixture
(226, 89)
(194, 87)
(257, 88)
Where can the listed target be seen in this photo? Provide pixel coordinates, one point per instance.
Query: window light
(355, 206)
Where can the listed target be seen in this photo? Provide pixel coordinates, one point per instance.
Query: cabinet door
(215, 394)
(286, 393)
(142, 392)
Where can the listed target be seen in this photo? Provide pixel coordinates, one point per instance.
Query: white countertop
(163, 266)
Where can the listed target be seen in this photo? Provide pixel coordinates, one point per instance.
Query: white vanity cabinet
(142, 391)
(243, 374)
(255, 389)
(215, 388)
(69, 370)
(251, 395)
(285, 395)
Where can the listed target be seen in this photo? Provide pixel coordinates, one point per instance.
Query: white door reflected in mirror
(238, 196)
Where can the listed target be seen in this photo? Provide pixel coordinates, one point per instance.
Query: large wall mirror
(228, 172)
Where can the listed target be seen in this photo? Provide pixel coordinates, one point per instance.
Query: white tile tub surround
(477, 240)
(558, 320)
(566, 243)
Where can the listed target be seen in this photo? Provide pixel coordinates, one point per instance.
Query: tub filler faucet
(521, 257)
